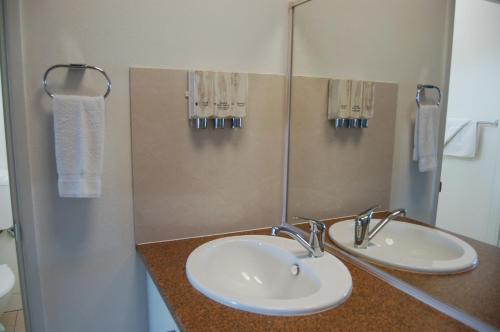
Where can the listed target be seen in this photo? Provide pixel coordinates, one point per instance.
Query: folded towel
(79, 143)
(4, 177)
(453, 127)
(464, 141)
(425, 139)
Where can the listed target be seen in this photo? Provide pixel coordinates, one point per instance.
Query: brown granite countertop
(373, 305)
(476, 292)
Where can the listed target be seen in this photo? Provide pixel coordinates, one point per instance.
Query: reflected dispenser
(339, 101)
(350, 103)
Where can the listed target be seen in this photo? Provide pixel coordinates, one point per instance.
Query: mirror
(390, 47)
(354, 57)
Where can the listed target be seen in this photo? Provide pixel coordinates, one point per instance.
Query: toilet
(7, 277)
(7, 281)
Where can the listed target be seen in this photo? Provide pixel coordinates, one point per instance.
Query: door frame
(18, 160)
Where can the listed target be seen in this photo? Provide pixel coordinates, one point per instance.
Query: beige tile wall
(190, 182)
(336, 172)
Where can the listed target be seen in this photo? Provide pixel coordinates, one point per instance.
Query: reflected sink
(409, 247)
(268, 275)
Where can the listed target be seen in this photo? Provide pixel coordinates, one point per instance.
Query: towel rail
(77, 66)
(422, 87)
(488, 123)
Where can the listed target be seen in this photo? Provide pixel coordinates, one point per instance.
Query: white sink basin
(268, 275)
(409, 247)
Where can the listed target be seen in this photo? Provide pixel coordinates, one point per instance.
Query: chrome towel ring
(421, 87)
(77, 67)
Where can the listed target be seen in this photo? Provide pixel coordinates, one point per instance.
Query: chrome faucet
(316, 244)
(362, 233)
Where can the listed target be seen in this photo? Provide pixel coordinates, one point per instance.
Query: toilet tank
(6, 220)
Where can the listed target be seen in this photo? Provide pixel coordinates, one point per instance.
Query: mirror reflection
(394, 139)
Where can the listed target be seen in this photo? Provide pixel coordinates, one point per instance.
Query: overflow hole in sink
(295, 270)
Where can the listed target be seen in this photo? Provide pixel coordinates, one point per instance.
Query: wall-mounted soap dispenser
(222, 99)
(217, 96)
(201, 98)
(355, 104)
(239, 87)
(368, 107)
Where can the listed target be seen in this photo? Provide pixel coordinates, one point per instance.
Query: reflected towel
(79, 144)
(453, 127)
(464, 141)
(425, 138)
(4, 177)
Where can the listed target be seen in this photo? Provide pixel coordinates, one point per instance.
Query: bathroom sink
(268, 275)
(409, 247)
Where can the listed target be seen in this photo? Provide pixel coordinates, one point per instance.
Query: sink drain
(295, 269)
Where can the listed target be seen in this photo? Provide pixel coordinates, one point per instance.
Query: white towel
(79, 143)
(4, 177)
(464, 142)
(453, 127)
(425, 139)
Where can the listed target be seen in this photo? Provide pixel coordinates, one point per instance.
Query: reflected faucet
(316, 244)
(362, 233)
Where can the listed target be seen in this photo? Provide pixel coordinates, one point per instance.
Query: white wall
(90, 276)
(470, 201)
(400, 41)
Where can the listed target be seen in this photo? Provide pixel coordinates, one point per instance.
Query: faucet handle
(316, 225)
(317, 236)
(401, 211)
(362, 227)
(367, 214)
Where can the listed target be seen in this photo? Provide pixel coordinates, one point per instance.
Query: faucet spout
(382, 223)
(294, 235)
(362, 233)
